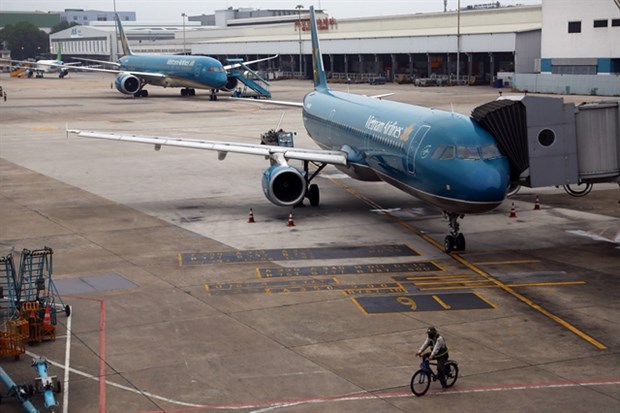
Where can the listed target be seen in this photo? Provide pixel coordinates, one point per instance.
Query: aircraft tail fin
(318, 71)
(59, 54)
(124, 41)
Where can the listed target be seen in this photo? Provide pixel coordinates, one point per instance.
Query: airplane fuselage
(441, 157)
(49, 66)
(200, 72)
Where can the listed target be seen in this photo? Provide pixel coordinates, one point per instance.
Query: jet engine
(284, 185)
(127, 83)
(231, 84)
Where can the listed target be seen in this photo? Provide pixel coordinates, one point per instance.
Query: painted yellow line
(518, 285)
(477, 270)
(530, 303)
(441, 303)
(472, 281)
(411, 278)
(508, 262)
(359, 306)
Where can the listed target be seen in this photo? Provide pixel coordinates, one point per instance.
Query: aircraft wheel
(449, 243)
(183, 92)
(214, 97)
(313, 195)
(144, 93)
(460, 242)
(192, 92)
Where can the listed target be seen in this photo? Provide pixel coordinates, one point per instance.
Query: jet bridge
(552, 143)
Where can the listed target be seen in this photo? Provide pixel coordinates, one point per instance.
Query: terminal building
(557, 47)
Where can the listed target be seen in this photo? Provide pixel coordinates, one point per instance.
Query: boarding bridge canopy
(552, 143)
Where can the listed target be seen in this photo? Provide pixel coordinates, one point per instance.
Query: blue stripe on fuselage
(398, 140)
(200, 71)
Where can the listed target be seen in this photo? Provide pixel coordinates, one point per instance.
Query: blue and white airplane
(135, 71)
(443, 158)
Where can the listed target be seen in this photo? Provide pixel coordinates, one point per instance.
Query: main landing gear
(188, 91)
(313, 193)
(455, 241)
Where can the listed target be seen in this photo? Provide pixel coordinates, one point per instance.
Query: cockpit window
(216, 69)
(490, 152)
(467, 152)
(444, 152)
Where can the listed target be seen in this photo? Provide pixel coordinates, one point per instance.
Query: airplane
(135, 71)
(40, 67)
(443, 158)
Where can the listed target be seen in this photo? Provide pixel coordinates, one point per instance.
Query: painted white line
(65, 387)
(267, 406)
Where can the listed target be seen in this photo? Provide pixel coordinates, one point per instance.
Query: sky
(168, 10)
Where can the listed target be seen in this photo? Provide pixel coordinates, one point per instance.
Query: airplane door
(415, 143)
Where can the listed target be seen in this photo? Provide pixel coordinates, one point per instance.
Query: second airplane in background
(135, 71)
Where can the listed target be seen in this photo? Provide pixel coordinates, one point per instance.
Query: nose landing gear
(455, 241)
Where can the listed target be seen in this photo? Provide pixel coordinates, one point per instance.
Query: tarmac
(179, 304)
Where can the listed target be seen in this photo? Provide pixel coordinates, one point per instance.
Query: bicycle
(421, 379)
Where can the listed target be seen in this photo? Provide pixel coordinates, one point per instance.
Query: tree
(62, 26)
(25, 40)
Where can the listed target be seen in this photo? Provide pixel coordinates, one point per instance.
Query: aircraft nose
(222, 78)
(492, 180)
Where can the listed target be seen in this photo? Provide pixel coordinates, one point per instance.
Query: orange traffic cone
(513, 212)
(251, 218)
(47, 320)
(290, 219)
(537, 203)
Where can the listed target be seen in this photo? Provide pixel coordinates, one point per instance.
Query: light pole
(184, 16)
(299, 7)
(458, 40)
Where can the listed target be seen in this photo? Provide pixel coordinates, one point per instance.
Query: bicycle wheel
(420, 382)
(452, 373)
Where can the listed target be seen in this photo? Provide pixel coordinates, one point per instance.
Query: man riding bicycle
(439, 352)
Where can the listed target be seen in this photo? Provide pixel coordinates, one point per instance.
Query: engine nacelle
(284, 185)
(231, 84)
(127, 83)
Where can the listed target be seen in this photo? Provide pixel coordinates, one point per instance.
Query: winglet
(124, 41)
(318, 71)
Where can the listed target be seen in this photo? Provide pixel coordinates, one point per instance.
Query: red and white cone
(47, 320)
(513, 212)
(537, 203)
(291, 223)
(251, 218)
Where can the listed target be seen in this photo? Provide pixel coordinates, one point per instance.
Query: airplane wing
(103, 62)
(223, 148)
(271, 102)
(236, 65)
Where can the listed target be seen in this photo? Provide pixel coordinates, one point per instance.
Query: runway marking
(479, 271)
(530, 303)
(516, 285)
(509, 262)
(296, 254)
(266, 406)
(360, 269)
